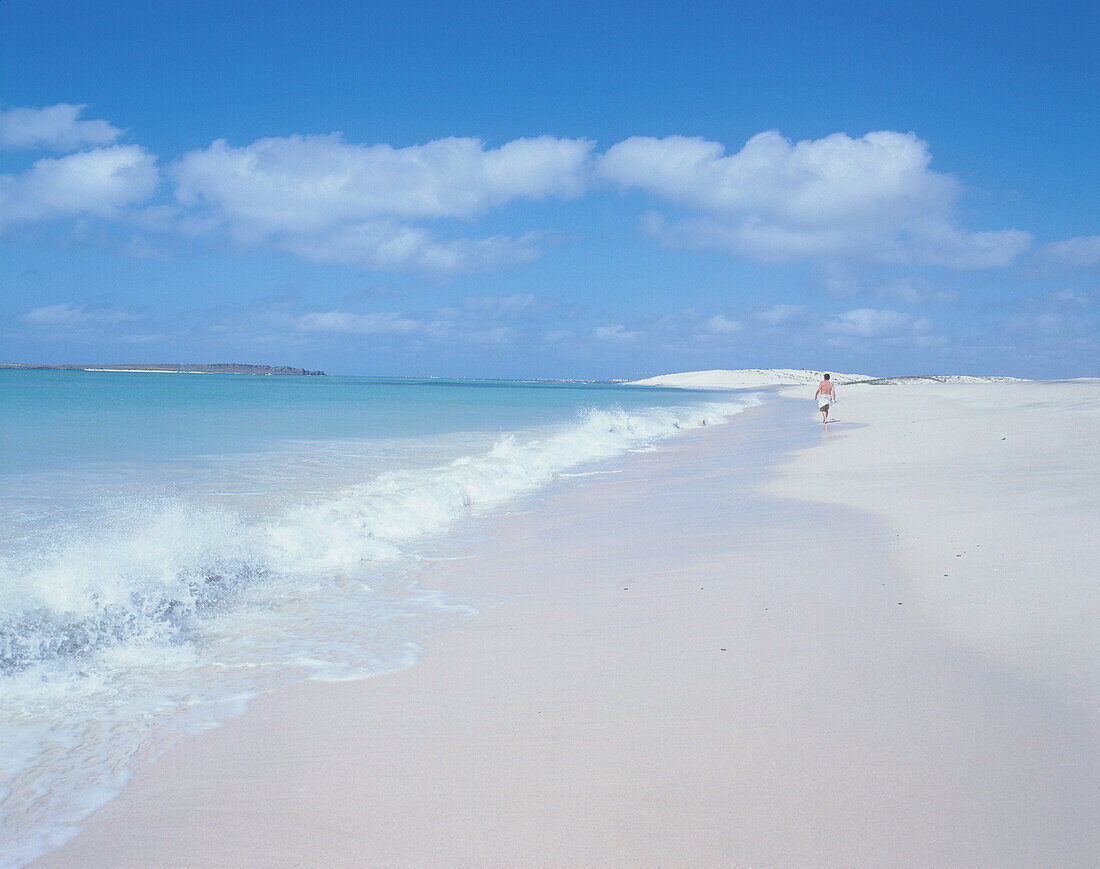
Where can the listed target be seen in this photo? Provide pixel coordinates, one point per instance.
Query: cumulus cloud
(303, 182)
(98, 183)
(1051, 324)
(1059, 316)
(873, 198)
(325, 199)
(56, 128)
(832, 200)
(722, 325)
(910, 289)
(391, 245)
(1080, 252)
(615, 333)
(874, 323)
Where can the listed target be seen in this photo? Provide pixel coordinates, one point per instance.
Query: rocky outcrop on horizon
(213, 368)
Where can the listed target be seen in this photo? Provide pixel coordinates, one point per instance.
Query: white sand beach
(993, 490)
(768, 643)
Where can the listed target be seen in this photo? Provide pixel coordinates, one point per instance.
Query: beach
(993, 491)
(739, 649)
(191, 543)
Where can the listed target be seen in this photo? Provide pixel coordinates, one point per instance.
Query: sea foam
(165, 564)
(170, 611)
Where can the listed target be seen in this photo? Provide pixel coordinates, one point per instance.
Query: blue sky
(552, 190)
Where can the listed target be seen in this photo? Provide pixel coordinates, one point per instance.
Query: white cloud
(872, 198)
(391, 245)
(615, 333)
(1073, 297)
(938, 242)
(53, 127)
(325, 199)
(1051, 324)
(278, 319)
(722, 325)
(874, 323)
(321, 198)
(1080, 252)
(97, 183)
(300, 183)
(155, 218)
(67, 315)
(840, 280)
(779, 314)
(363, 324)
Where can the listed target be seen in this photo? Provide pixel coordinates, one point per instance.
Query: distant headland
(165, 368)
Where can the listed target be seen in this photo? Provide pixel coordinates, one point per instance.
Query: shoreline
(673, 677)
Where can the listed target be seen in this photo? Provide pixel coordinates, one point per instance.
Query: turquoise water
(174, 544)
(59, 419)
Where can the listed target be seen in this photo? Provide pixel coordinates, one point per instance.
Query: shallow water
(173, 544)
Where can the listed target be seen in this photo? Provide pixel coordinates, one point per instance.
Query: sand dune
(744, 378)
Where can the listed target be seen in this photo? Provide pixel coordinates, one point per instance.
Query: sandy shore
(993, 493)
(682, 676)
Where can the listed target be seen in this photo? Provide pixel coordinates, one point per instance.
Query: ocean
(174, 544)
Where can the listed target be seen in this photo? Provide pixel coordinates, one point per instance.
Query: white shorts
(824, 401)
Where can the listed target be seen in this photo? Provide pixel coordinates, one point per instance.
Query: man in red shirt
(825, 395)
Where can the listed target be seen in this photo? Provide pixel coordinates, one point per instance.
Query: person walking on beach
(825, 395)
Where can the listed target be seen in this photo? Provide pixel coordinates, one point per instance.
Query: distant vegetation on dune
(940, 378)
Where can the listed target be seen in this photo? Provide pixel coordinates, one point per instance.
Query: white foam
(165, 620)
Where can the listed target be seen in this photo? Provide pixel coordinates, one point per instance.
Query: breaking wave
(162, 567)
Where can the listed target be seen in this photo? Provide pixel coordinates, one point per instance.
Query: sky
(565, 190)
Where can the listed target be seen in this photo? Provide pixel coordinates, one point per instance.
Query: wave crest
(153, 577)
